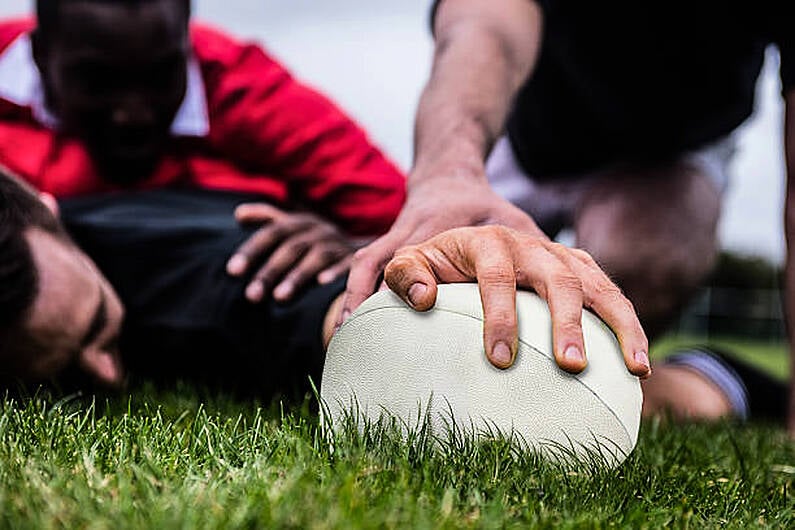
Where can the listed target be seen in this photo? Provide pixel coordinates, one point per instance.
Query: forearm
(484, 52)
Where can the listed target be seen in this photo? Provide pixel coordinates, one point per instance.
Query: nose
(132, 111)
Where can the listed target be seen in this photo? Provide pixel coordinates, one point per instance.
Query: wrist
(458, 165)
(460, 153)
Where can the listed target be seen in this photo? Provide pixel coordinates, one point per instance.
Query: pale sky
(373, 56)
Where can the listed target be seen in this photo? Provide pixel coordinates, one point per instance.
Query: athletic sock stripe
(723, 376)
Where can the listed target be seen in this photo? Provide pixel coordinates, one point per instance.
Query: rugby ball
(430, 367)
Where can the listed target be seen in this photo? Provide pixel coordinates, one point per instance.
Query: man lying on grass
(165, 253)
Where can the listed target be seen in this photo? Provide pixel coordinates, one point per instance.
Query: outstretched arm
(484, 52)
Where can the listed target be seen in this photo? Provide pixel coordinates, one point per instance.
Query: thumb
(410, 276)
(103, 365)
(257, 212)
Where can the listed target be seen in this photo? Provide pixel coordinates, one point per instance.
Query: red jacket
(268, 134)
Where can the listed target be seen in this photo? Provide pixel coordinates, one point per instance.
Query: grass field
(186, 458)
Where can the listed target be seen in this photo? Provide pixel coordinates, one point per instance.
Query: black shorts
(165, 252)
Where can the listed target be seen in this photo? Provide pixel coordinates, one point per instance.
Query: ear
(103, 365)
(51, 203)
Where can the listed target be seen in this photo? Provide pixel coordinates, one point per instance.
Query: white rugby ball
(388, 358)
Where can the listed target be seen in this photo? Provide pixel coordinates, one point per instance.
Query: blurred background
(373, 56)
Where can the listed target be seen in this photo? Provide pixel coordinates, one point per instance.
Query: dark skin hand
(501, 259)
(300, 246)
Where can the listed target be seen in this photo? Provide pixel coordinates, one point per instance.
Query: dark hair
(20, 209)
(47, 11)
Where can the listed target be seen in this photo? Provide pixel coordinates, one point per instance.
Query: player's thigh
(634, 218)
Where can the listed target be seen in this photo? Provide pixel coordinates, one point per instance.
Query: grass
(186, 458)
(773, 357)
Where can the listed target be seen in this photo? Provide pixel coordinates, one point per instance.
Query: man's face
(76, 316)
(115, 75)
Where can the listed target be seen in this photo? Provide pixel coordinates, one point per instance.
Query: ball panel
(606, 374)
(391, 356)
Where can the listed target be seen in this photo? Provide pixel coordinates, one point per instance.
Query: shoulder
(213, 46)
(231, 67)
(10, 29)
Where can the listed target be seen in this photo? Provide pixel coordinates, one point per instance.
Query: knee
(662, 268)
(658, 280)
(657, 250)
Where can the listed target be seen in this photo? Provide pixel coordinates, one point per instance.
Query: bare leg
(683, 393)
(654, 232)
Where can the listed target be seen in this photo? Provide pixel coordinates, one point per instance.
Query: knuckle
(364, 257)
(556, 248)
(399, 271)
(327, 254)
(503, 234)
(566, 282)
(569, 328)
(300, 245)
(584, 257)
(608, 292)
(278, 231)
(497, 275)
(502, 319)
(266, 275)
(301, 274)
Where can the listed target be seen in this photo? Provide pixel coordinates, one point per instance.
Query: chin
(127, 170)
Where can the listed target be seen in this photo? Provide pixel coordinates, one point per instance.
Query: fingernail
(283, 291)
(325, 277)
(573, 354)
(236, 264)
(345, 314)
(642, 357)
(501, 354)
(416, 292)
(254, 291)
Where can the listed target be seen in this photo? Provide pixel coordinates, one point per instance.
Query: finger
(257, 212)
(278, 264)
(366, 267)
(494, 267)
(306, 269)
(336, 270)
(606, 300)
(410, 276)
(563, 290)
(261, 242)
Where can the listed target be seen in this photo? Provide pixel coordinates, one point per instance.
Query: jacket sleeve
(266, 120)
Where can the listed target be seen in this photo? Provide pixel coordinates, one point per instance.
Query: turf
(187, 458)
(773, 357)
(232, 465)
